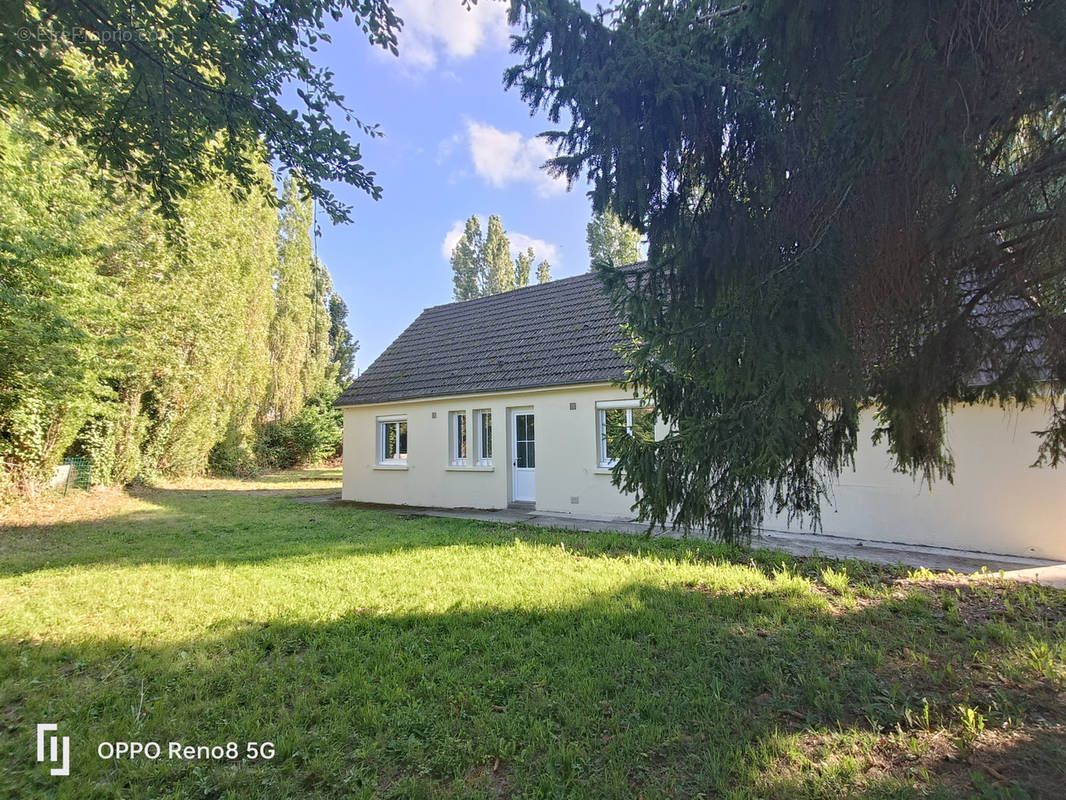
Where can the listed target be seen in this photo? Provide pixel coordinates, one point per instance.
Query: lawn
(418, 657)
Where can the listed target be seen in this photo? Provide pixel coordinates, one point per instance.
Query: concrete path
(938, 559)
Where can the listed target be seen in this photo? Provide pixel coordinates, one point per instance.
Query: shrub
(229, 459)
(312, 436)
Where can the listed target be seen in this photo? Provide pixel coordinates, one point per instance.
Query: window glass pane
(486, 435)
(520, 455)
(520, 427)
(529, 427)
(388, 440)
(460, 436)
(643, 424)
(531, 460)
(393, 440)
(614, 427)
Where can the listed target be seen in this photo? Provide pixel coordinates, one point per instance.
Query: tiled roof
(553, 334)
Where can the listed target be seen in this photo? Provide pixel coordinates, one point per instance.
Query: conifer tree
(342, 346)
(847, 205)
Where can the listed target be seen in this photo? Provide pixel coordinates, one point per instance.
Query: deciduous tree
(611, 242)
(150, 85)
(544, 272)
(467, 261)
(523, 264)
(499, 272)
(482, 265)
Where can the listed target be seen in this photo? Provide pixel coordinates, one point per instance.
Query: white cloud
(519, 243)
(435, 29)
(542, 249)
(503, 157)
(451, 239)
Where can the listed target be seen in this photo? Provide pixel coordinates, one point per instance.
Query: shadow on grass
(196, 527)
(645, 691)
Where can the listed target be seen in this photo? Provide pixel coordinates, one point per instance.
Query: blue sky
(455, 144)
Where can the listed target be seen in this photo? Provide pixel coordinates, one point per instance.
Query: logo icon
(54, 754)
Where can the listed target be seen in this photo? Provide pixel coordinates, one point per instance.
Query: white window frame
(480, 459)
(601, 424)
(397, 458)
(458, 435)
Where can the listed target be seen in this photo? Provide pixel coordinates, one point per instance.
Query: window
(483, 420)
(617, 422)
(458, 438)
(392, 439)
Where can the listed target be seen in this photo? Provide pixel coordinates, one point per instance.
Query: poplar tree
(142, 342)
(482, 265)
(293, 286)
(467, 260)
(544, 272)
(611, 242)
(499, 272)
(848, 205)
(316, 368)
(523, 264)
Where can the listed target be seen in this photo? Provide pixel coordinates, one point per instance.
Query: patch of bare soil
(491, 777)
(1033, 759)
(983, 599)
(54, 507)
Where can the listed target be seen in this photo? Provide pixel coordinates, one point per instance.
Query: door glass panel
(524, 446)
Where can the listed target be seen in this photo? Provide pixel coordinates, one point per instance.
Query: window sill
(390, 467)
(602, 470)
(470, 469)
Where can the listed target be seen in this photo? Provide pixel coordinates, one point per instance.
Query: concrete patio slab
(937, 559)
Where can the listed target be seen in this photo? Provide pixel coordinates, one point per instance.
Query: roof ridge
(509, 292)
(532, 286)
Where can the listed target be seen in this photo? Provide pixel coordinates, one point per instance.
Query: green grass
(389, 657)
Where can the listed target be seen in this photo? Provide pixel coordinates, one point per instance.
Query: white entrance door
(523, 457)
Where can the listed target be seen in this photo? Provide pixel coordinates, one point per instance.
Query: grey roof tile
(552, 334)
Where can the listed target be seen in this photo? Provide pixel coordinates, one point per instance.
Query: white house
(504, 401)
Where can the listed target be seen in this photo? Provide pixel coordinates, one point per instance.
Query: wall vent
(573, 406)
(574, 501)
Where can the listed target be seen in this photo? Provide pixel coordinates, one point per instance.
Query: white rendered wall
(567, 454)
(997, 504)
